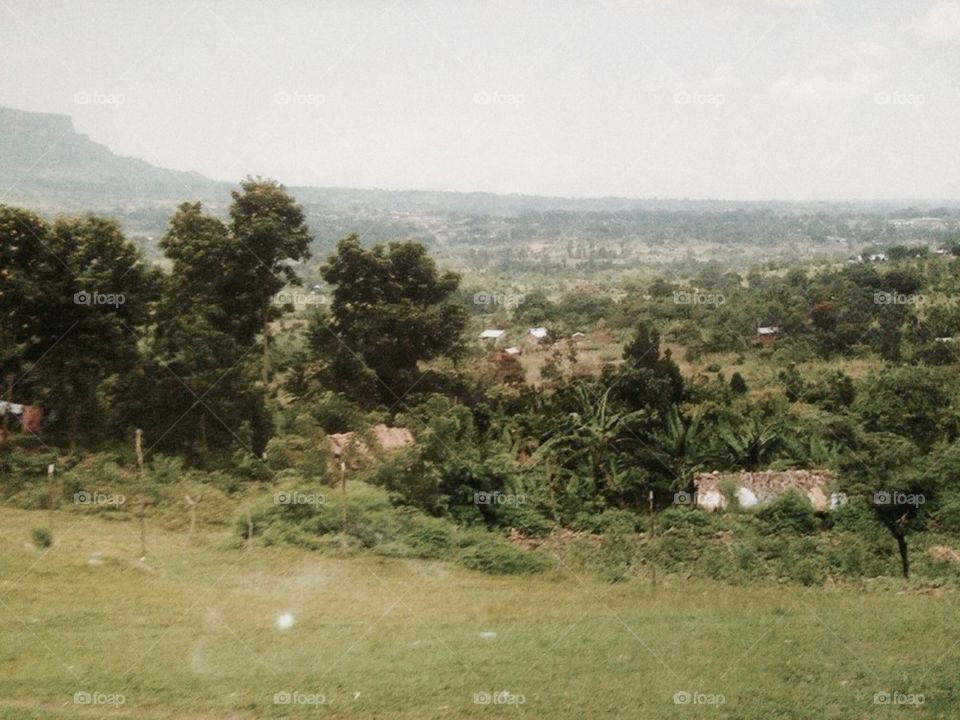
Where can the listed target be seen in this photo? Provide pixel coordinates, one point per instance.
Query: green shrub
(42, 537)
(308, 455)
(682, 517)
(367, 519)
(333, 412)
(791, 513)
(678, 548)
(808, 570)
(947, 514)
(717, 563)
(525, 519)
(295, 536)
(853, 555)
(738, 385)
(854, 516)
(171, 510)
(36, 496)
(20, 467)
(745, 556)
(600, 523)
(498, 557)
(165, 470)
(427, 537)
(730, 489)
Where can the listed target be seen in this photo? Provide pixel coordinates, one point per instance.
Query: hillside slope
(43, 160)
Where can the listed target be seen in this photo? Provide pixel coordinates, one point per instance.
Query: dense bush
(855, 516)
(492, 555)
(790, 513)
(947, 515)
(309, 455)
(41, 537)
(682, 517)
(309, 514)
(524, 518)
(606, 520)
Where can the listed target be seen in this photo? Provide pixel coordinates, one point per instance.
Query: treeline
(203, 354)
(105, 343)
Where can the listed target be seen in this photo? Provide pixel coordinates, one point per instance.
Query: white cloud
(872, 52)
(941, 24)
(722, 76)
(793, 3)
(819, 88)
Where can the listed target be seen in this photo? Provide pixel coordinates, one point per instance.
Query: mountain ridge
(46, 164)
(43, 159)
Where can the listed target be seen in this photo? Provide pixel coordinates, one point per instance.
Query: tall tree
(911, 401)
(24, 238)
(888, 471)
(206, 326)
(210, 273)
(647, 378)
(271, 227)
(96, 293)
(391, 309)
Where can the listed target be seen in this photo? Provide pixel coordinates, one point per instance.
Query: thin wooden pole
(343, 500)
(266, 343)
(6, 412)
(192, 505)
(143, 495)
(653, 533)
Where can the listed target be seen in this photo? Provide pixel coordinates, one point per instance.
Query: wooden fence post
(192, 505)
(143, 495)
(653, 534)
(6, 413)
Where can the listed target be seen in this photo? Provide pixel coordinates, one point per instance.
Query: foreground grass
(191, 632)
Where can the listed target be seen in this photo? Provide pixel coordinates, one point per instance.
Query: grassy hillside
(192, 632)
(42, 156)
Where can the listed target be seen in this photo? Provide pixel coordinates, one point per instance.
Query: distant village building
(767, 335)
(386, 437)
(537, 335)
(876, 257)
(753, 489)
(924, 223)
(578, 336)
(508, 355)
(492, 336)
(30, 416)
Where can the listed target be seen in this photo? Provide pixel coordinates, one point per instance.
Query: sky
(726, 99)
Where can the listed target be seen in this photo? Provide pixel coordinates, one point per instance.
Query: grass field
(192, 632)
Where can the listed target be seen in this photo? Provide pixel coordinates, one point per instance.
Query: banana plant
(593, 438)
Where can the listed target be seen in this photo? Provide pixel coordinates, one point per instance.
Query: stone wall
(763, 486)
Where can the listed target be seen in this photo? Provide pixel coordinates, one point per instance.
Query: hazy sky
(735, 99)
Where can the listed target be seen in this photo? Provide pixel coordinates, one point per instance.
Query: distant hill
(49, 167)
(45, 163)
